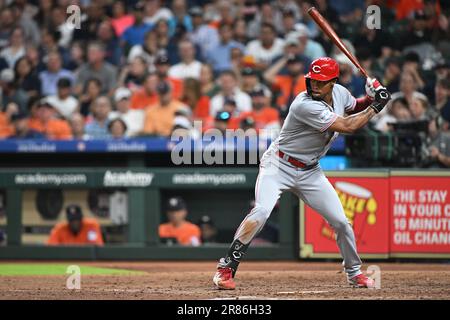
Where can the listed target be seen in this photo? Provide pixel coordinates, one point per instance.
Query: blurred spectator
(54, 71)
(78, 230)
(46, 122)
(133, 119)
(49, 43)
(77, 126)
(208, 230)
(147, 95)
(117, 128)
(220, 56)
(148, 51)
(208, 86)
(26, 77)
(229, 89)
(288, 22)
(96, 67)
(442, 94)
(240, 31)
(95, 14)
(121, 20)
(182, 124)
(133, 75)
(408, 88)
(76, 57)
(419, 109)
(98, 127)
(107, 37)
(349, 79)
(265, 14)
(412, 65)
(162, 70)
(161, 29)
(91, 90)
(7, 25)
(221, 121)
(22, 129)
(312, 49)
(10, 92)
(203, 35)
(195, 99)
(16, 48)
(397, 112)
(135, 33)
(443, 159)
(188, 67)
(6, 126)
(391, 76)
(59, 23)
(267, 47)
(63, 102)
(159, 117)
(180, 17)
(250, 80)
(153, 12)
(289, 85)
(263, 115)
(177, 227)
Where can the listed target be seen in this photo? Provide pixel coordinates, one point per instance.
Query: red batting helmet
(323, 69)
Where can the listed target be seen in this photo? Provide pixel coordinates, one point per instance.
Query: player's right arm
(352, 123)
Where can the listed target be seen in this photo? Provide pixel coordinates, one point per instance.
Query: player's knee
(341, 225)
(259, 213)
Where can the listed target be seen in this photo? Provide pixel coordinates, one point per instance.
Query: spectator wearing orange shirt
(290, 85)
(147, 95)
(46, 122)
(178, 228)
(162, 66)
(159, 118)
(77, 230)
(263, 115)
(6, 126)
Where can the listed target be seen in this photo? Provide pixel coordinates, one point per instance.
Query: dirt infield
(255, 280)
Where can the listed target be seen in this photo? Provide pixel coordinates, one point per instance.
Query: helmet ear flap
(308, 86)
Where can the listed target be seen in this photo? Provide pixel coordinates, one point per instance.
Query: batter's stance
(315, 119)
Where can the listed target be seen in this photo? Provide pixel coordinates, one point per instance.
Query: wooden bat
(325, 26)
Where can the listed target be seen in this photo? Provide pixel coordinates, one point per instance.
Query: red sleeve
(361, 104)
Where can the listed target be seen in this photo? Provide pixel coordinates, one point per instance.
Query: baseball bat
(325, 26)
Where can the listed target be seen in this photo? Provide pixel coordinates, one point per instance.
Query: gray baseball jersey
(304, 135)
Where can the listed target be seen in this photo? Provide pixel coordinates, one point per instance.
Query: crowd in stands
(147, 68)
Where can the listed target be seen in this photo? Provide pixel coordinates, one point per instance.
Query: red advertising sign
(420, 216)
(365, 201)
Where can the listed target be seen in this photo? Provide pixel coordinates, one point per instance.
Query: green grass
(54, 269)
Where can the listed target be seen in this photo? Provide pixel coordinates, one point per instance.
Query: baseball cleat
(361, 281)
(223, 279)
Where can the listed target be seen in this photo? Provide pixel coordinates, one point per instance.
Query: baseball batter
(315, 119)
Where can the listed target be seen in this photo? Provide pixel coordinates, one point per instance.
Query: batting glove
(382, 97)
(372, 85)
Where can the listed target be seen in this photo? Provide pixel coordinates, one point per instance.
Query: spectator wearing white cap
(313, 49)
(134, 119)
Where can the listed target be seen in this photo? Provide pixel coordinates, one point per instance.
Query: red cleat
(223, 279)
(361, 281)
